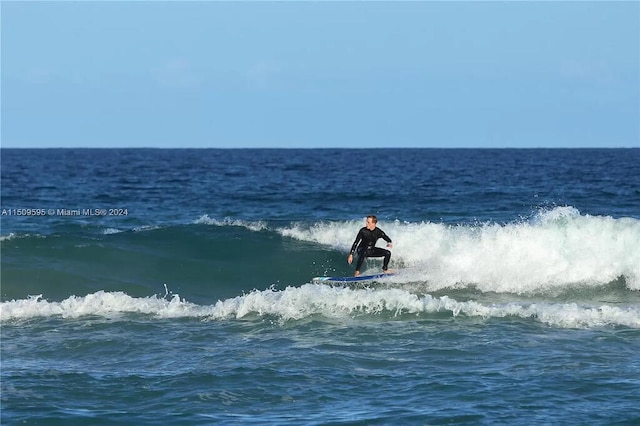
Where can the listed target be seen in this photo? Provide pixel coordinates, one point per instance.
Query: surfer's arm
(385, 237)
(356, 243)
(354, 246)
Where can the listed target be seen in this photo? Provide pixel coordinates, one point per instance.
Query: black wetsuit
(365, 244)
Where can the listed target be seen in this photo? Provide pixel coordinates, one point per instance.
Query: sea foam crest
(15, 236)
(112, 231)
(100, 303)
(556, 214)
(556, 249)
(295, 303)
(8, 237)
(252, 226)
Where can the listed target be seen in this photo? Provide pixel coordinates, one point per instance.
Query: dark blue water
(150, 286)
(452, 186)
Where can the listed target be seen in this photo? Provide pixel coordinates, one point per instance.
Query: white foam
(338, 235)
(100, 303)
(557, 248)
(252, 226)
(295, 303)
(111, 231)
(146, 228)
(13, 236)
(556, 214)
(7, 237)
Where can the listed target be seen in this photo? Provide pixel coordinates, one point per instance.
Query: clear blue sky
(320, 74)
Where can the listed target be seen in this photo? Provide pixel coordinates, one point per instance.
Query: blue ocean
(175, 286)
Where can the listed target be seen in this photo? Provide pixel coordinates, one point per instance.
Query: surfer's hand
(350, 259)
(390, 245)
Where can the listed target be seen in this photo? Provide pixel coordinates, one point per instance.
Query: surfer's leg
(361, 257)
(387, 258)
(380, 252)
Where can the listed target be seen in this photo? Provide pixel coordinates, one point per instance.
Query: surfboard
(359, 278)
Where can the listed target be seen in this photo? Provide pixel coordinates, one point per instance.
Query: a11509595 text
(63, 212)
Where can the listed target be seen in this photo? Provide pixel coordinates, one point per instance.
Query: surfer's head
(371, 221)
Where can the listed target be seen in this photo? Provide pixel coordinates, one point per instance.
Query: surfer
(365, 245)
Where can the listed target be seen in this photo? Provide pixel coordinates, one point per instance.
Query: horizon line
(318, 148)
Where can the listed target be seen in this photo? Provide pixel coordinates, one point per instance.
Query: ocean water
(150, 286)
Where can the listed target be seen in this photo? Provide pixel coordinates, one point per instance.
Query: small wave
(14, 236)
(7, 237)
(111, 231)
(145, 228)
(100, 303)
(556, 214)
(252, 226)
(295, 303)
